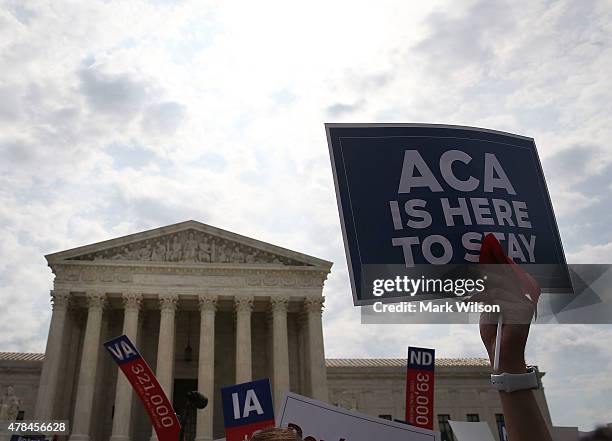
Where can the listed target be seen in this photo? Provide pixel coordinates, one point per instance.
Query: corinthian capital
(167, 302)
(60, 299)
(131, 300)
(96, 300)
(314, 304)
(243, 304)
(279, 304)
(207, 302)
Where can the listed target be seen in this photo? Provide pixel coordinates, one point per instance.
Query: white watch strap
(513, 382)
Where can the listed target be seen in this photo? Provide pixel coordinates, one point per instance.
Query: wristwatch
(513, 382)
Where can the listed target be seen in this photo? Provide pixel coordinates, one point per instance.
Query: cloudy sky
(121, 116)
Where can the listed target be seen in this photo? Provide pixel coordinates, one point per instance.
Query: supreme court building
(207, 308)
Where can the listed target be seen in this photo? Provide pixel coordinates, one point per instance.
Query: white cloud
(592, 254)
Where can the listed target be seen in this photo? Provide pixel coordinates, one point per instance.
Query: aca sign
(247, 407)
(418, 194)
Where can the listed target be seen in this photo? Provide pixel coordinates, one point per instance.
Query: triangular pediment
(188, 242)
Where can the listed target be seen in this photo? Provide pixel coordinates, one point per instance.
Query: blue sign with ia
(419, 194)
(247, 407)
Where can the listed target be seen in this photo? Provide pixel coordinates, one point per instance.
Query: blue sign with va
(122, 350)
(418, 194)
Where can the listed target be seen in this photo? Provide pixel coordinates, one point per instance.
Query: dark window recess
(472, 418)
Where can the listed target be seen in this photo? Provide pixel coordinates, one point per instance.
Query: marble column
(206, 366)
(49, 377)
(164, 370)
(123, 395)
(316, 351)
(302, 322)
(81, 421)
(280, 348)
(243, 307)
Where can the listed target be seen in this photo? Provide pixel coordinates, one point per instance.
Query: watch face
(498, 382)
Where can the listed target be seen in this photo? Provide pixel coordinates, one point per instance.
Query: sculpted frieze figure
(126, 253)
(190, 247)
(159, 252)
(204, 251)
(222, 256)
(237, 255)
(144, 253)
(176, 250)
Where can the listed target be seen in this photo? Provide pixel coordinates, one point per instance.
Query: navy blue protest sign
(247, 407)
(417, 194)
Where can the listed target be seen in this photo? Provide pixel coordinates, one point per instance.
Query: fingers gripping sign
(517, 294)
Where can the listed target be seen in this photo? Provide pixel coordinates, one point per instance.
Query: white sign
(471, 431)
(318, 421)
